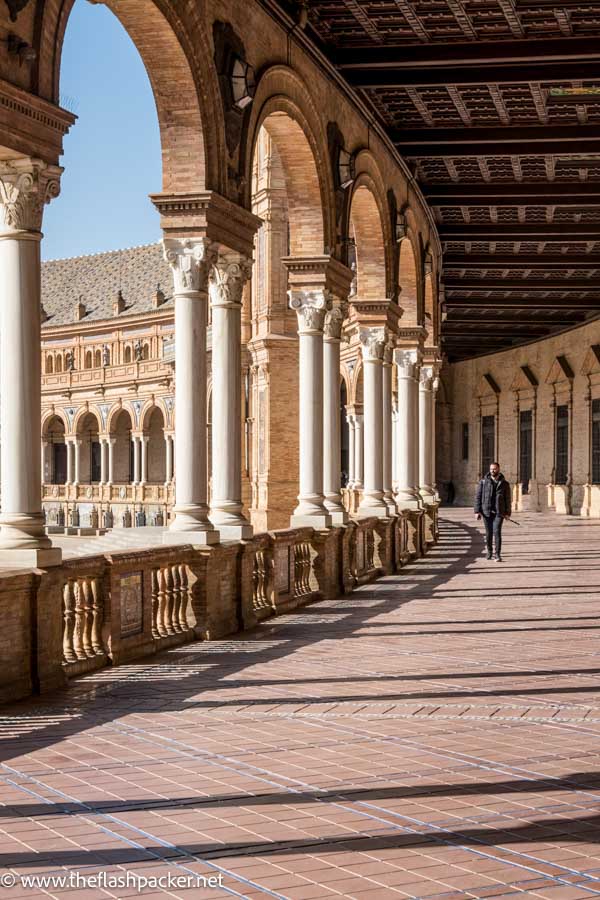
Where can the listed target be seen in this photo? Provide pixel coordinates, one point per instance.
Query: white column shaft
(77, 463)
(144, 461)
(111, 460)
(388, 495)
(425, 435)
(331, 431)
(136, 459)
(358, 452)
(168, 459)
(372, 502)
(227, 278)
(69, 446)
(407, 437)
(351, 471)
(103, 460)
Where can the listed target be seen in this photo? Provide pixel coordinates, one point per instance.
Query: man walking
(493, 503)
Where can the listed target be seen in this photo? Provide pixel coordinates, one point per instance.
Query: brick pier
(433, 735)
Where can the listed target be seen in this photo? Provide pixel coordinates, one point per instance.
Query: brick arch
(357, 394)
(177, 54)
(82, 413)
(410, 284)
(113, 414)
(147, 411)
(54, 414)
(366, 227)
(285, 108)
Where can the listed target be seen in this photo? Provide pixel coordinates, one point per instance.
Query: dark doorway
(525, 448)
(488, 442)
(562, 445)
(59, 463)
(95, 461)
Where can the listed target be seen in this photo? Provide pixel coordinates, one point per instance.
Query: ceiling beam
(518, 138)
(485, 72)
(582, 194)
(525, 284)
(560, 232)
(513, 319)
(585, 261)
(589, 304)
(474, 52)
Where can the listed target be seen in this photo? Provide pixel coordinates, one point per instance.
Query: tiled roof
(96, 279)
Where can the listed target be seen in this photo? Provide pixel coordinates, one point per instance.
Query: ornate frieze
(334, 321)
(407, 362)
(26, 185)
(311, 308)
(426, 377)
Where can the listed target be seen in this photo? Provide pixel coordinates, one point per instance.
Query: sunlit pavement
(432, 735)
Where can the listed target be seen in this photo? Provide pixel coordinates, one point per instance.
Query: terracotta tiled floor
(434, 735)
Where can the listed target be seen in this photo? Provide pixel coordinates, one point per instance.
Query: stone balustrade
(113, 608)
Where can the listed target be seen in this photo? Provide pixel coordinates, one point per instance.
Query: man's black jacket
(485, 493)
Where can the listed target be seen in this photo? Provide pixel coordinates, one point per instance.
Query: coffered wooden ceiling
(489, 101)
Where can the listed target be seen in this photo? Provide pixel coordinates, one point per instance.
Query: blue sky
(112, 154)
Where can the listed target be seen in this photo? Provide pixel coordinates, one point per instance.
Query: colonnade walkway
(436, 734)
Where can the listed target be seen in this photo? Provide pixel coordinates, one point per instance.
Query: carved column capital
(26, 185)
(407, 362)
(187, 258)
(311, 308)
(426, 376)
(334, 322)
(227, 275)
(373, 341)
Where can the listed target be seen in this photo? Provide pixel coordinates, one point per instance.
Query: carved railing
(170, 601)
(117, 607)
(83, 620)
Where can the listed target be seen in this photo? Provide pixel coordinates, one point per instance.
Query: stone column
(69, 446)
(311, 307)
(426, 488)
(136, 458)
(407, 435)
(394, 450)
(373, 345)
(388, 494)
(190, 521)
(168, 459)
(111, 460)
(103, 460)
(358, 451)
(350, 421)
(227, 276)
(25, 186)
(332, 443)
(144, 453)
(436, 383)
(77, 457)
(46, 468)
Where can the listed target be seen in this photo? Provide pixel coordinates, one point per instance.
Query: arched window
(88, 360)
(127, 354)
(49, 365)
(97, 359)
(146, 352)
(59, 364)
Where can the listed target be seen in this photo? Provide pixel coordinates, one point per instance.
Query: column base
(235, 532)
(317, 521)
(40, 558)
(406, 500)
(428, 495)
(389, 501)
(333, 505)
(372, 506)
(196, 538)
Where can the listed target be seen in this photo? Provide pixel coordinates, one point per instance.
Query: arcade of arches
(323, 310)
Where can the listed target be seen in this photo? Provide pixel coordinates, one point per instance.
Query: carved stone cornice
(30, 125)
(187, 258)
(26, 185)
(411, 337)
(311, 308)
(318, 273)
(375, 313)
(210, 215)
(227, 275)
(372, 342)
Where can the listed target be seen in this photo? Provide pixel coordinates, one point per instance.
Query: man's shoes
(498, 558)
(489, 555)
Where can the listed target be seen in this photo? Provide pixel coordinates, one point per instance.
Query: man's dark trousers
(493, 529)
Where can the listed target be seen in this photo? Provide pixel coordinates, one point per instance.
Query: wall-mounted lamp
(401, 226)
(18, 47)
(346, 168)
(243, 83)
